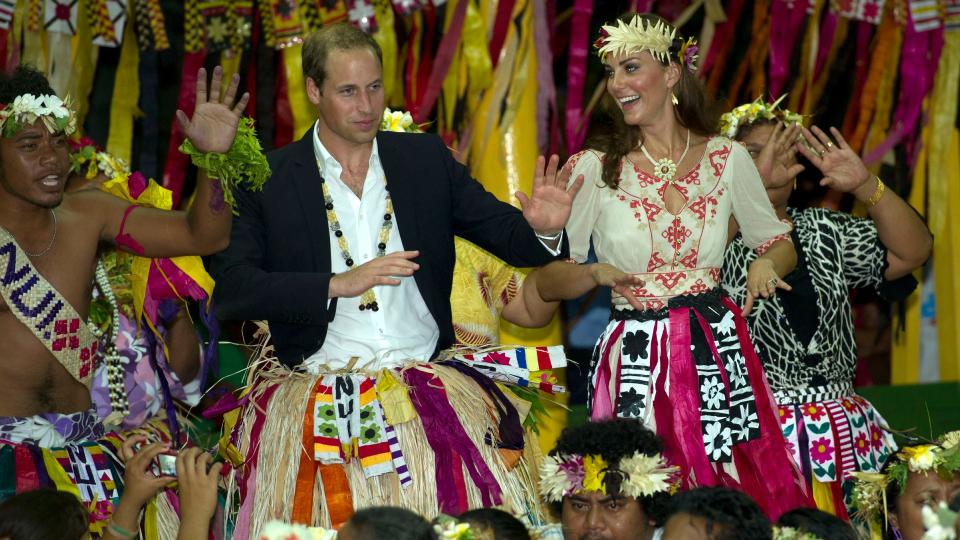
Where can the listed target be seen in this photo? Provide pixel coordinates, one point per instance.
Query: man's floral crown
(640, 34)
(57, 115)
(635, 476)
(870, 489)
(748, 113)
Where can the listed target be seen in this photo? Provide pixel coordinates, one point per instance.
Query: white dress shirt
(402, 329)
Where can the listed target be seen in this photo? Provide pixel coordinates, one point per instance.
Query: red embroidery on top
(676, 233)
(690, 261)
(652, 209)
(670, 279)
(718, 160)
(699, 207)
(655, 262)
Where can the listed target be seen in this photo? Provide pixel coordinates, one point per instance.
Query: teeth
(628, 99)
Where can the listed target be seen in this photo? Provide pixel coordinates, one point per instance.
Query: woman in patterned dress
(676, 353)
(805, 338)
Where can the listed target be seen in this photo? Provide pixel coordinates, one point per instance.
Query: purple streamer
(510, 428)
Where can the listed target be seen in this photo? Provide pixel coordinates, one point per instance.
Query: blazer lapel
(403, 194)
(306, 180)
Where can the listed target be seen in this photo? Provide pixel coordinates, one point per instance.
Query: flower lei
(748, 113)
(642, 475)
(400, 121)
(26, 109)
(789, 533)
(869, 490)
(243, 164)
(88, 161)
(657, 38)
(940, 523)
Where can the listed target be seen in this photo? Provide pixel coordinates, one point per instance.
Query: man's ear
(313, 91)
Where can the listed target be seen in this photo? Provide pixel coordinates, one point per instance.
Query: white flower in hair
(53, 106)
(646, 475)
(638, 35)
(26, 103)
(940, 524)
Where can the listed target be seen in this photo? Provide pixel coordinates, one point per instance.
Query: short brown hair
(336, 37)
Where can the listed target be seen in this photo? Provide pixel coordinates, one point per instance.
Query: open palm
(214, 123)
(548, 207)
(842, 168)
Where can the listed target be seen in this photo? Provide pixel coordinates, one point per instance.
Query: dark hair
(390, 523)
(24, 79)
(336, 37)
(734, 514)
(817, 523)
(695, 111)
(502, 525)
(43, 513)
(614, 440)
(744, 129)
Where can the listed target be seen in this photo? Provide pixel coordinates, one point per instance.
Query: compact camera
(165, 464)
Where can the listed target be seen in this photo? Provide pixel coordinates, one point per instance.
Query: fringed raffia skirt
(690, 372)
(431, 437)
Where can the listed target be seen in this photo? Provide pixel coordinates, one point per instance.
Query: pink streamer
(827, 33)
(450, 443)
(546, 89)
(781, 486)
(783, 40)
(576, 123)
(603, 406)
(685, 400)
(248, 484)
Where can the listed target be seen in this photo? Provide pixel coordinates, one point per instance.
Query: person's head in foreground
(496, 523)
(892, 501)
(608, 481)
(44, 513)
(715, 513)
(816, 523)
(386, 523)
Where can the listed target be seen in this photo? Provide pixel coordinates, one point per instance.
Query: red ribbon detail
(448, 48)
(26, 469)
(576, 123)
(501, 25)
(283, 115)
(175, 169)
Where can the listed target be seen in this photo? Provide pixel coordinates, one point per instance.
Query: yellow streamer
(946, 260)
(303, 115)
(126, 95)
(394, 398)
(386, 37)
(84, 65)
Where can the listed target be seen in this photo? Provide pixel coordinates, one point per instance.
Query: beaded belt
(813, 394)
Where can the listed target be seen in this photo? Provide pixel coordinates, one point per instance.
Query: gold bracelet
(875, 198)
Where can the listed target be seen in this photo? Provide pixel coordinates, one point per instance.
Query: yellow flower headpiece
(641, 34)
(759, 109)
(640, 475)
(870, 489)
(789, 533)
(57, 115)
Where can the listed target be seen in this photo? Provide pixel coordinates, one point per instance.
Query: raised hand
(621, 282)
(380, 271)
(842, 168)
(214, 123)
(762, 281)
(548, 207)
(777, 154)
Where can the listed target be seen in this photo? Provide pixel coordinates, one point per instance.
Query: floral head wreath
(748, 113)
(940, 522)
(870, 489)
(635, 476)
(448, 528)
(640, 34)
(56, 114)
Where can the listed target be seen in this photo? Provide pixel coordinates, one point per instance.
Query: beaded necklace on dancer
(368, 300)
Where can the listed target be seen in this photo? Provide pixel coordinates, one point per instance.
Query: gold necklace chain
(53, 238)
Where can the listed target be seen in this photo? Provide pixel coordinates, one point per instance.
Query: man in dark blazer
(316, 252)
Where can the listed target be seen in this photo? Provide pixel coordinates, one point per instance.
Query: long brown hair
(696, 112)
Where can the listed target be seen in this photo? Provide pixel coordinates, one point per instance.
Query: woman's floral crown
(641, 34)
(748, 113)
(57, 115)
(638, 475)
(448, 528)
(277, 530)
(870, 489)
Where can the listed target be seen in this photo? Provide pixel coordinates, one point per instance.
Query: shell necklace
(666, 168)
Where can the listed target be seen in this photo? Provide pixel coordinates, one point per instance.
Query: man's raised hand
(214, 123)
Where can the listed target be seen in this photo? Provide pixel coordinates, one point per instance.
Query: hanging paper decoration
(216, 25)
(241, 22)
(952, 10)
(925, 15)
(362, 15)
(332, 11)
(151, 28)
(406, 7)
(287, 27)
(107, 20)
(61, 16)
(6, 13)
